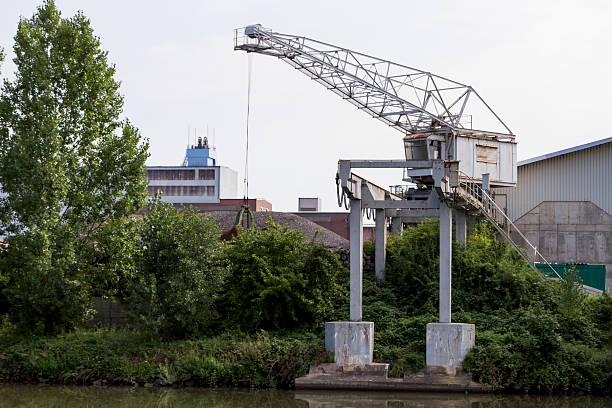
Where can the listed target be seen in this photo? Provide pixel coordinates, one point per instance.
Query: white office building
(198, 181)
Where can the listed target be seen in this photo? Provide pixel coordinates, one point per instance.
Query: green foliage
(412, 266)
(533, 334)
(600, 310)
(487, 274)
(126, 358)
(180, 272)
(45, 295)
(526, 352)
(71, 171)
(571, 301)
(280, 281)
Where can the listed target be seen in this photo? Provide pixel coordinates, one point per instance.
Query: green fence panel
(591, 275)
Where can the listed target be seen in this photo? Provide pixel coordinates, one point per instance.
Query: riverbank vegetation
(250, 311)
(528, 338)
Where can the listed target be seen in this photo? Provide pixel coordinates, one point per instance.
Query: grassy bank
(122, 357)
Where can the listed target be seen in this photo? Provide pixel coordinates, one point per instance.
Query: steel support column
(356, 259)
(460, 226)
(380, 254)
(446, 236)
(396, 226)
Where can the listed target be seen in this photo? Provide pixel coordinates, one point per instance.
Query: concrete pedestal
(351, 342)
(446, 346)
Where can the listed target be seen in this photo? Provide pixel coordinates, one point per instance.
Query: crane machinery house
(198, 181)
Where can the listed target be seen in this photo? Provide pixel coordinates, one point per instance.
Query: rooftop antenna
(185, 161)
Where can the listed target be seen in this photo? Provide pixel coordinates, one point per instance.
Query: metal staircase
(471, 196)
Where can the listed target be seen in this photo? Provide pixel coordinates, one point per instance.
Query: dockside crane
(454, 164)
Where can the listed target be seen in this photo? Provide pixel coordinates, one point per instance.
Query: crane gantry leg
(380, 254)
(356, 259)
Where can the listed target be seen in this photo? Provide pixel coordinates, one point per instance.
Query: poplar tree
(71, 170)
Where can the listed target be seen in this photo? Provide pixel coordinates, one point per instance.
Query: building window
(206, 174)
(192, 191)
(170, 174)
(486, 154)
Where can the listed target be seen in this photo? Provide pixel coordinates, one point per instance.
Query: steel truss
(408, 99)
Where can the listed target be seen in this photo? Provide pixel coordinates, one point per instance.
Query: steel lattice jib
(438, 116)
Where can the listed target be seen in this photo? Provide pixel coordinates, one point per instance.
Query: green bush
(487, 274)
(526, 352)
(45, 290)
(533, 334)
(123, 357)
(180, 272)
(278, 280)
(600, 309)
(412, 266)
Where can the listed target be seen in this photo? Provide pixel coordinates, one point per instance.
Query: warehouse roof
(565, 151)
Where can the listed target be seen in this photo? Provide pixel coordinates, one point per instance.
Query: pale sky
(543, 66)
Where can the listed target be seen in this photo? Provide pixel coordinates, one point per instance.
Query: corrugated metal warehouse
(563, 204)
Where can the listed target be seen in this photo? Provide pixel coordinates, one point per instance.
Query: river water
(119, 397)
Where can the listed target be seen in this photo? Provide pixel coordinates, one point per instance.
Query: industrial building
(563, 205)
(335, 221)
(198, 181)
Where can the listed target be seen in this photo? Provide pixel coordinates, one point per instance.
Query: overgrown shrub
(487, 274)
(278, 280)
(412, 267)
(45, 290)
(600, 310)
(527, 352)
(123, 357)
(532, 334)
(180, 272)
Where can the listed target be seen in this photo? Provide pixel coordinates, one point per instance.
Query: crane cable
(246, 161)
(245, 209)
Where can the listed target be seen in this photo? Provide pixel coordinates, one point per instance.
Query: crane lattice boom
(408, 99)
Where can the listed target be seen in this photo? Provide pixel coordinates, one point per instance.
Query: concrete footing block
(351, 342)
(446, 346)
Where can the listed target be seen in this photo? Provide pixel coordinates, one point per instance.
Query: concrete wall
(108, 312)
(228, 183)
(568, 232)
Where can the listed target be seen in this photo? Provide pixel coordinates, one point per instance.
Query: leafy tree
(279, 280)
(70, 167)
(571, 301)
(180, 272)
(3, 302)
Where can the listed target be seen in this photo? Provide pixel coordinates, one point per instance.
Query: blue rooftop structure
(200, 155)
